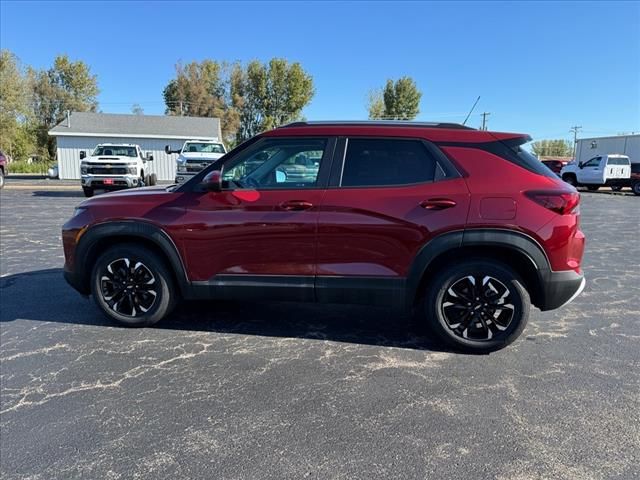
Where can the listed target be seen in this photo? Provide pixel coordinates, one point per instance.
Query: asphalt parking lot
(231, 390)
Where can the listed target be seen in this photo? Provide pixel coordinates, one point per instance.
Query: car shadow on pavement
(44, 296)
(58, 194)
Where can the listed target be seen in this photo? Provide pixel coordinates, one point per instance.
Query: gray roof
(145, 126)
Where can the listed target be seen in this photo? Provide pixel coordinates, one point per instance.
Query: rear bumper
(561, 288)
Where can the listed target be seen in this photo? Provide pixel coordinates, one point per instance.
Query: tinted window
(594, 162)
(618, 161)
(375, 162)
(277, 163)
(513, 151)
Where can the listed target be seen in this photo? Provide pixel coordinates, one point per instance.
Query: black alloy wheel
(477, 308)
(477, 305)
(133, 285)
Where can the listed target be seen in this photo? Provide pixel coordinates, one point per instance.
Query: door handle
(292, 205)
(437, 204)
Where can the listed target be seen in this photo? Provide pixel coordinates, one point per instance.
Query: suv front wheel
(477, 305)
(132, 285)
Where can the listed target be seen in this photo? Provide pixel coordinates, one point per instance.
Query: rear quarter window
(513, 151)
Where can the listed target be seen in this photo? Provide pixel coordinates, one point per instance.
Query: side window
(594, 162)
(378, 162)
(277, 163)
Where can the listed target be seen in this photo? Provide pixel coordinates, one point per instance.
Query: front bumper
(119, 181)
(561, 288)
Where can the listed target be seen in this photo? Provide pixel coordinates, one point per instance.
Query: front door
(261, 229)
(591, 171)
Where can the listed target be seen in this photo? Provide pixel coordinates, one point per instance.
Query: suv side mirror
(580, 165)
(167, 149)
(83, 154)
(212, 182)
(149, 156)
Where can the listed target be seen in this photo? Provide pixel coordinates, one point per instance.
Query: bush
(34, 167)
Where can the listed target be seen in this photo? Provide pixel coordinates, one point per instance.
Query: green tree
(14, 106)
(270, 95)
(66, 86)
(203, 90)
(552, 148)
(401, 99)
(376, 105)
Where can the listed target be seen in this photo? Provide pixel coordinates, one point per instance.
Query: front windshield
(202, 147)
(115, 150)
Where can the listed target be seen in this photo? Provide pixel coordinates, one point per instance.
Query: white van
(598, 171)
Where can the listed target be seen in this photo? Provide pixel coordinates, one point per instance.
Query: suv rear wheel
(636, 188)
(132, 285)
(477, 305)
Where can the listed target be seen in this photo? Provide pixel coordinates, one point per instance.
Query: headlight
(182, 168)
(83, 169)
(133, 170)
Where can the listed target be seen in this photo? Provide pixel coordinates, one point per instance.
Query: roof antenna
(469, 114)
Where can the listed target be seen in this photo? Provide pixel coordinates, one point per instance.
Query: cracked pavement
(235, 390)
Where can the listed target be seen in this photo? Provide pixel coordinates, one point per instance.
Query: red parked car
(4, 170)
(555, 165)
(463, 225)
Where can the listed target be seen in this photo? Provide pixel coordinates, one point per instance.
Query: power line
(484, 120)
(575, 130)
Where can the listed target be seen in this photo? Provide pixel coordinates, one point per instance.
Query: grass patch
(34, 167)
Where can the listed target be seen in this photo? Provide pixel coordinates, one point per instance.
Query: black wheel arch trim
(126, 228)
(480, 237)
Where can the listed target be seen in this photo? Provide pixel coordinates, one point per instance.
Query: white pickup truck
(194, 156)
(599, 171)
(114, 166)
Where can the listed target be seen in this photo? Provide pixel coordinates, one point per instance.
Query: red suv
(463, 225)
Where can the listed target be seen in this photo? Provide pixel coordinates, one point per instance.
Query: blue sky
(539, 67)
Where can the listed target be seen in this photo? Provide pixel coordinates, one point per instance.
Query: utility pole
(484, 120)
(575, 130)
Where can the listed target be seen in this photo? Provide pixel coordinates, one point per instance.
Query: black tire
(88, 192)
(616, 188)
(153, 179)
(118, 301)
(484, 331)
(570, 179)
(1, 178)
(636, 188)
(593, 188)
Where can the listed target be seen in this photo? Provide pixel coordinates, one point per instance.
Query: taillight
(559, 202)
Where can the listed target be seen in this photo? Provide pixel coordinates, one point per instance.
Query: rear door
(386, 199)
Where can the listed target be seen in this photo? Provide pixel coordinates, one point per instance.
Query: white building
(85, 130)
(623, 144)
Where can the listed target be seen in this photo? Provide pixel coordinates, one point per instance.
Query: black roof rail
(385, 123)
